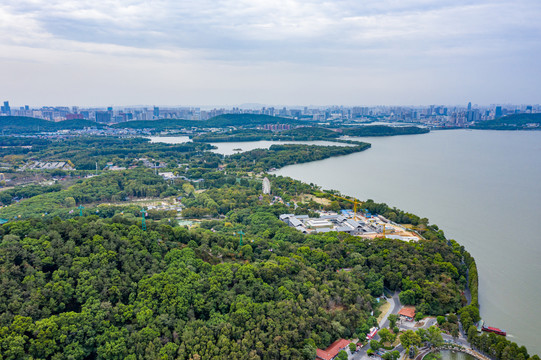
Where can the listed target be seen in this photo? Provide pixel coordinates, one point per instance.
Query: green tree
(441, 320)
(309, 351)
(375, 345)
(410, 338)
(386, 335)
(407, 297)
(342, 355)
(393, 318)
(391, 355)
(434, 336)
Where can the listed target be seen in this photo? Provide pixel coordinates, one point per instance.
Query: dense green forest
(52, 201)
(511, 122)
(383, 130)
(308, 133)
(280, 155)
(103, 288)
(87, 152)
(98, 286)
(297, 134)
(21, 124)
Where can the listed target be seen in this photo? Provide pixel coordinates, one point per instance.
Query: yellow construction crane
(354, 201)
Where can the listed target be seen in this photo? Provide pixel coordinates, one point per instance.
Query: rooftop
(408, 311)
(333, 350)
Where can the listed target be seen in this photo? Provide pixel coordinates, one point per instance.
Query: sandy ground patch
(384, 309)
(310, 197)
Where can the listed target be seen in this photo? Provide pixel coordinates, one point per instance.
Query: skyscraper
(6, 109)
(498, 112)
(469, 106)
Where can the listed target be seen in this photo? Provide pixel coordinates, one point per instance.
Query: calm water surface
(449, 355)
(170, 139)
(228, 148)
(483, 188)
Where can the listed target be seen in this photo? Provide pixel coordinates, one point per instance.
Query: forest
(90, 287)
(215, 122)
(307, 133)
(22, 125)
(511, 122)
(102, 286)
(278, 156)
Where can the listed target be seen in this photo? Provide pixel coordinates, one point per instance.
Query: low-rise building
(407, 313)
(332, 351)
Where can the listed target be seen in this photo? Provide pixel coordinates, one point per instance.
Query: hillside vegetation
(21, 124)
(218, 121)
(512, 122)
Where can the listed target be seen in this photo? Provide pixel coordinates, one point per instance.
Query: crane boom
(354, 201)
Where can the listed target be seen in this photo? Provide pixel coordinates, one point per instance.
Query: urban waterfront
(483, 188)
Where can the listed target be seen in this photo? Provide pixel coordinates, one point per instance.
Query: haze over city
(91, 53)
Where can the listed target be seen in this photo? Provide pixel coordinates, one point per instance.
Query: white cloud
(309, 41)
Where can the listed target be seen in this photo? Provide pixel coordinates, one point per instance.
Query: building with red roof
(407, 312)
(332, 351)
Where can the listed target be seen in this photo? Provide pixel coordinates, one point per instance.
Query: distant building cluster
(365, 225)
(433, 115)
(50, 165)
(276, 127)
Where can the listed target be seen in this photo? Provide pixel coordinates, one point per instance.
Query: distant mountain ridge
(512, 122)
(217, 121)
(22, 124)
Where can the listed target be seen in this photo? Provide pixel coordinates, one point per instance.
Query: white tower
(266, 186)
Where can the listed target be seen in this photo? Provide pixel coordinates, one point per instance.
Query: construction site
(349, 221)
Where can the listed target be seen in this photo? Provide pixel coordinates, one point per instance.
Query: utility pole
(143, 222)
(240, 233)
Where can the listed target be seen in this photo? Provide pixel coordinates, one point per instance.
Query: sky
(276, 52)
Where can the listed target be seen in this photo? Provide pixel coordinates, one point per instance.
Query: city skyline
(285, 52)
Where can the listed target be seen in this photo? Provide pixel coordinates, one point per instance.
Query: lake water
(170, 139)
(483, 188)
(228, 148)
(449, 355)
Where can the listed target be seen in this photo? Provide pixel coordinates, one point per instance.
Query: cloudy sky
(227, 52)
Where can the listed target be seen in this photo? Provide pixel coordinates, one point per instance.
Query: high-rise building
(156, 112)
(469, 106)
(498, 112)
(6, 110)
(103, 116)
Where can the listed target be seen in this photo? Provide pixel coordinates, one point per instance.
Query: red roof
(408, 311)
(333, 350)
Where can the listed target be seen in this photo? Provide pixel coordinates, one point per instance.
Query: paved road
(394, 309)
(405, 325)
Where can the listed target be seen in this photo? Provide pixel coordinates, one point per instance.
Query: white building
(266, 186)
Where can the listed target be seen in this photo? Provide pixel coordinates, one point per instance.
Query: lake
(228, 148)
(449, 355)
(483, 188)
